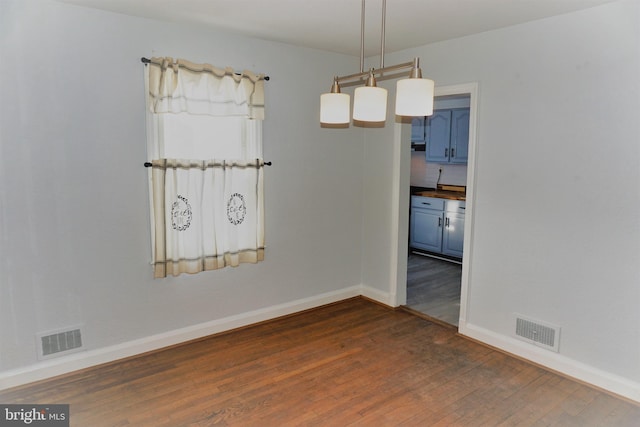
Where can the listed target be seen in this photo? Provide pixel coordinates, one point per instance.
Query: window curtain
(204, 127)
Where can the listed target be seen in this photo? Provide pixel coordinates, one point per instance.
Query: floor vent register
(538, 333)
(59, 342)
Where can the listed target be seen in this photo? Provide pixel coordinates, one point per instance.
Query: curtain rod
(148, 164)
(148, 61)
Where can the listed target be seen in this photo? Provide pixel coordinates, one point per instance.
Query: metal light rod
(382, 33)
(362, 39)
(376, 72)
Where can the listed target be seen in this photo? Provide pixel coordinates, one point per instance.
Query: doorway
(433, 287)
(403, 167)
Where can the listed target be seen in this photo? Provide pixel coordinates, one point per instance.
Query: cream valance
(181, 86)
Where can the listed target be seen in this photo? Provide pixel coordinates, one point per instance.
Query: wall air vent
(539, 333)
(59, 342)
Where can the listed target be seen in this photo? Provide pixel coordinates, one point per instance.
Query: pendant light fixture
(334, 106)
(370, 102)
(414, 95)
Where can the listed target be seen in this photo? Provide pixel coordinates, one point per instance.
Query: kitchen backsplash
(425, 174)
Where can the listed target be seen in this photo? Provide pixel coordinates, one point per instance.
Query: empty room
(210, 212)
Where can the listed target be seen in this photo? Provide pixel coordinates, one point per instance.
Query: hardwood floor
(353, 363)
(433, 287)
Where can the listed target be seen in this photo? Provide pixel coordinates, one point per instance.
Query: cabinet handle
(453, 150)
(439, 222)
(446, 152)
(446, 223)
(425, 203)
(462, 207)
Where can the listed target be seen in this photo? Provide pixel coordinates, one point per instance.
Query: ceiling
(334, 25)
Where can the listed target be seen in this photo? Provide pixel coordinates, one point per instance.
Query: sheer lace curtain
(204, 132)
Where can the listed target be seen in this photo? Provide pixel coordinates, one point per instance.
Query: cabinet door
(438, 134)
(459, 136)
(417, 129)
(426, 229)
(453, 234)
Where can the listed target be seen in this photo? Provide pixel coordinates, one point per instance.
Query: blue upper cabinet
(447, 136)
(417, 129)
(438, 131)
(459, 152)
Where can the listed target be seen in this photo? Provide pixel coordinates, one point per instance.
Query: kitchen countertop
(442, 194)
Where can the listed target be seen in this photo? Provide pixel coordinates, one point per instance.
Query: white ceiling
(334, 25)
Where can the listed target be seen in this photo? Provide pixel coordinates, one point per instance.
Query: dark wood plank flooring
(433, 287)
(353, 363)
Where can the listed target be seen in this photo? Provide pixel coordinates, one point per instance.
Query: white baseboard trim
(377, 295)
(556, 362)
(73, 362)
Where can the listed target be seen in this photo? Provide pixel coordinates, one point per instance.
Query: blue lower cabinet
(453, 234)
(426, 229)
(437, 225)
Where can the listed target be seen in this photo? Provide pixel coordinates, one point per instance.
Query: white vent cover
(57, 343)
(542, 334)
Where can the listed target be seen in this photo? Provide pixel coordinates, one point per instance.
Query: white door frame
(400, 198)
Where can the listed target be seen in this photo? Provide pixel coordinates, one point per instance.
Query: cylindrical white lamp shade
(414, 97)
(370, 104)
(334, 108)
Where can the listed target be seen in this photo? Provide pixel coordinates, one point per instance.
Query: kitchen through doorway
(440, 190)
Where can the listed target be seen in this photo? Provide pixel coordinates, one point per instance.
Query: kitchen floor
(433, 287)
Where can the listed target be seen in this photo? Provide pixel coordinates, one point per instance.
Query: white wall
(378, 209)
(556, 232)
(74, 238)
